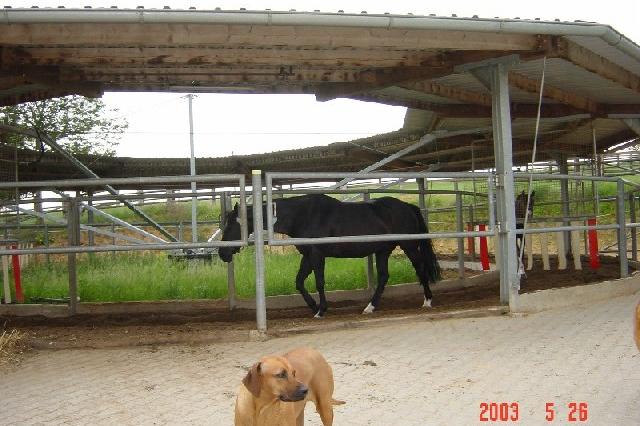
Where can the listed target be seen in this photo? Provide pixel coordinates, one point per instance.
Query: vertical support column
(181, 231)
(460, 228)
(622, 231)
(370, 274)
(46, 240)
(192, 167)
(73, 235)
(422, 203)
(261, 304)
(90, 221)
(225, 207)
(472, 226)
(634, 233)
(563, 168)
(502, 145)
(113, 239)
(91, 236)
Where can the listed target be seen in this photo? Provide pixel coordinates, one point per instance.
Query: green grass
(131, 276)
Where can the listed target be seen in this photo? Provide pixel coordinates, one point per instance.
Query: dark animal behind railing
(318, 215)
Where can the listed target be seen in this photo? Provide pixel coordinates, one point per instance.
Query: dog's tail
(337, 402)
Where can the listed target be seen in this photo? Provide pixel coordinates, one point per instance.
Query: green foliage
(81, 125)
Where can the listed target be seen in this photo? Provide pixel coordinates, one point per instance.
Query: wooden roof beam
(470, 110)
(32, 93)
(437, 66)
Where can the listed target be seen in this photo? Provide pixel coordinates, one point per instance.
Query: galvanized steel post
(422, 183)
(225, 207)
(632, 218)
(622, 231)
(73, 235)
(502, 145)
(564, 199)
(460, 228)
(261, 305)
(370, 273)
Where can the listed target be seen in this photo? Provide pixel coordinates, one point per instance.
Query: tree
(81, 125)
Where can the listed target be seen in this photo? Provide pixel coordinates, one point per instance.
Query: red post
(594, 257)
(484, 250)
(15, 260)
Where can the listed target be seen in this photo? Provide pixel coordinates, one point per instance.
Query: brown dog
(636, 323)
(276, 389)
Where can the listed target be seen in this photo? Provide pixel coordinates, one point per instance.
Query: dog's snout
(302, 391)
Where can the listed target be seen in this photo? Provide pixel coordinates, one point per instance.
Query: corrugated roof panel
(463, 81)
(604, 49)
(565, 75)
(399, 92)
(447, 123)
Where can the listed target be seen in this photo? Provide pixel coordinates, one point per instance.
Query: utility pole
(194, 198)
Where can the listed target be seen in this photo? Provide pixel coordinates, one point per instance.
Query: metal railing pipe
(113, 247)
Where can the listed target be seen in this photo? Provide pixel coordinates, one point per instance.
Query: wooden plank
(146, 34)
(214, 55)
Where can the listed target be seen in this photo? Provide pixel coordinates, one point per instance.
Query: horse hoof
(319, 315)
(369, 309)
(427, 303)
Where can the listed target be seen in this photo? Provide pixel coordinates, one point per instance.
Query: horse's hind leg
(418, 264)
(382, 269)
(303, 273)
(318, 270)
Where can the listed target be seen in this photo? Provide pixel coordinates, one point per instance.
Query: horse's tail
(426, 250)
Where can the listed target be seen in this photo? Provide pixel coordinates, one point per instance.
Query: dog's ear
(252, 380)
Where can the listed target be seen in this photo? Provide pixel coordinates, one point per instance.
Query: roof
(592, 72)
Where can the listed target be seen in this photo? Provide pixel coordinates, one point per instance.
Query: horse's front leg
(317, 262)
(382, 270)
(303, 272)
(418, 262)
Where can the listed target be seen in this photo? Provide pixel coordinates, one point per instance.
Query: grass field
(152, 276)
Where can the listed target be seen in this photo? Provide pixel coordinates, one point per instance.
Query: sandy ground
(413, 372)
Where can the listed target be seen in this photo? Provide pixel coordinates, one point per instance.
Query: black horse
(313, 216)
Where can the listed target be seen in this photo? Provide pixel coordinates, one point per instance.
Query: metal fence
(472, 202)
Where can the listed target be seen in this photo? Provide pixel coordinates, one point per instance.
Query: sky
(159, 122)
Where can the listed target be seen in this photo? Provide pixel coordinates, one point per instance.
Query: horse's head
(231, 232)
(521, 204)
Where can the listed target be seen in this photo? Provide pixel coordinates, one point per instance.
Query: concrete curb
(554, 298)
(232, 336)
(489, 311)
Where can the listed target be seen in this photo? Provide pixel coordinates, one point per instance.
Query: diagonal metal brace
(87, 171)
